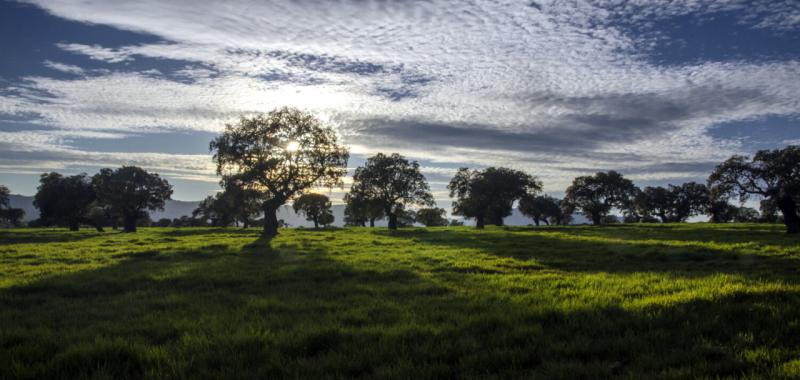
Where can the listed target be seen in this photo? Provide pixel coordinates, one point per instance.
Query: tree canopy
(542, 208)
(771, 174)
(9, 215)
(359, 209)
(596, 195)
(66, 200)
(280, 154)
(393, 182)
(489, 194)
(674, 203)
(431, 217)
(129, 192)
(315, 207)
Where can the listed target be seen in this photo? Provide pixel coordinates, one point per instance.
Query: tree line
(267, 160)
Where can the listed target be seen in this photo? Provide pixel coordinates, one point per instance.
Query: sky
(659, 90)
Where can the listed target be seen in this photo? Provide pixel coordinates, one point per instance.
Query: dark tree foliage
(769, 211)
(542, 208)
(163, 222)
(129, 192)
(675, 203)
(406, 218)
(326, 218)
(771, 174)
(9, 216)
(12, 216)
(721, 211)
(66, 201)
(431, 217)
(595, 196)
(746, 215)
(488, 195)
(359, 209)
(217, 210)
(393, 182)
(280, 155)
(314, 207)
(4, 195)
(565, 216)
(244, 202)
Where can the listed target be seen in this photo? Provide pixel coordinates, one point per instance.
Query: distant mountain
(175, 209)
(26, 204)
(172, 209)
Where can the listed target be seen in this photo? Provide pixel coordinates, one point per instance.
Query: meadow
(655, 301)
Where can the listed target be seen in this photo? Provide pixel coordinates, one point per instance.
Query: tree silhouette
(244, 203)
(280, 155)
(129, 191)
(218, 209)
(326, 218)
(771, 174)
(769, 211)
(674, 203)
(315, 207)
(4, 196)
(542, 208)
(359, 209)
(393, 182)
(596, 195)
(66, 200)
(11, 216)
(488, 195)
(431, 217)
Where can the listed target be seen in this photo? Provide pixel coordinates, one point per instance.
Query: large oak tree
(596, 195)
(281, 155)
(488, 195)
(129, 192)
(771, 174)
(315, 207)
(66, 200)
(359, 209)
(393, 182)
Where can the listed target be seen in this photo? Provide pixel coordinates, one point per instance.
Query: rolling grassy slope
(655, 301)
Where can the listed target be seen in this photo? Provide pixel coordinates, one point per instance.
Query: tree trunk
(372, 222)
(270, 218)
(479, 223)
(129, 223)
(536, 221)
(245, 223)
(546, 222)
(499, 221)
(596, 219)
(790, 218)
(74, 225)
(94, 223)
(392, 220)
(316, 223)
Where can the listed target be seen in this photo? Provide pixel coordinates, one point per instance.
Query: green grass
(645, 301)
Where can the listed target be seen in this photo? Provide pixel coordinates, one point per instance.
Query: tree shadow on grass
(287, 309)
(42, 235)
(192, 231)
(579, 250)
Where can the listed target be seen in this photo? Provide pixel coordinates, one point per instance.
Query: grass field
(654, 301)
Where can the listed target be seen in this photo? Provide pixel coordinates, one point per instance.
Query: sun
(292, 146)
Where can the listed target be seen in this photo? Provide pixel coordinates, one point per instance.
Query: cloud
(97, 52)
(70, 69)
(553, 87)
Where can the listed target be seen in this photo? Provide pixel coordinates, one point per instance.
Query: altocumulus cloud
(557, 88)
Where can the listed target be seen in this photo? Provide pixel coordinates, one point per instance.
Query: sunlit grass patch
(654, 301)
